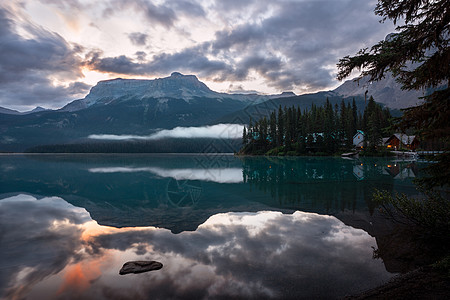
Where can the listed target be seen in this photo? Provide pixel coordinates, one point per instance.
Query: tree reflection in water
(324, 185)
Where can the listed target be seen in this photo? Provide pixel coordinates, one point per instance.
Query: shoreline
(422, 283)
(114, 153)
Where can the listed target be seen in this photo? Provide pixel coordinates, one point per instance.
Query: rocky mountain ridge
(176, 86)
(387, 91)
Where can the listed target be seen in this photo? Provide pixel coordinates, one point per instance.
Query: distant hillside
(8, 111)
(303, 101)
(139, 117)
(386, 91)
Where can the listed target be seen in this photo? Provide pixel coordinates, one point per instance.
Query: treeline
(325, 129)
(200, 145)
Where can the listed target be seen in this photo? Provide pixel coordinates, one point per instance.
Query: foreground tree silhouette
(418, 55)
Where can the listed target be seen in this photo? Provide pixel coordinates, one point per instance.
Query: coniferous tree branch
(418, 55)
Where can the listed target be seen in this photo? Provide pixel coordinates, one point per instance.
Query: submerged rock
(140, 267)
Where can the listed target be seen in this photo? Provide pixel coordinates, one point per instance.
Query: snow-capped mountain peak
(176, 85)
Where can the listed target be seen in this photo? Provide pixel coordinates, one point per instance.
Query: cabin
(399, 141)
(358, 171)
(255, 136)
(358, 139)
(315, 137)
(398, 171)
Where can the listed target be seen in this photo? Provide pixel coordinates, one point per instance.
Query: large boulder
(140, 267)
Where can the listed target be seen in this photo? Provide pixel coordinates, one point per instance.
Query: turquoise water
(223, 227)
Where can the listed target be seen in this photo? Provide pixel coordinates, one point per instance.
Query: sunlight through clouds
(265, 46)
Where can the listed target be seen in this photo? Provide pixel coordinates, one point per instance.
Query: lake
(222, 226)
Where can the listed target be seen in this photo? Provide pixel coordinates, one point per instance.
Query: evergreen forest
(322, 130)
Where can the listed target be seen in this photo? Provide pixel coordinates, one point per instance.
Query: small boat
(350, 154)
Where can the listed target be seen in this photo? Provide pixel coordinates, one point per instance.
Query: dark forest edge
(323, 130)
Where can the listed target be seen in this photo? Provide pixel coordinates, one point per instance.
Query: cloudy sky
(53, 51)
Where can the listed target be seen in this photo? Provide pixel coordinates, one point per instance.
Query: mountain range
(8, 111)
(142, 107)
(387, 91)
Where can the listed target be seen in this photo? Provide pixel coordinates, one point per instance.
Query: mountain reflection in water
(181, 192)
(223, 227)
(55, 250)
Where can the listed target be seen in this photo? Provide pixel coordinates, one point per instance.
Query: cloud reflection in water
(60, 252)
(219, 175)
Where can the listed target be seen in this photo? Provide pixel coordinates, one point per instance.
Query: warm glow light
(92, 229)
(80, 276)
(92, 77)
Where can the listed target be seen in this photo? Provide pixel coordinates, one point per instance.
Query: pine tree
(328, 140)
(350, 126)
(280, 128)
(273, 128)
(424, 39)
(300, 124)
(288, 128)
(343, 120)
(250, 131)
(263, 131)
(355, 117)
(244, 137)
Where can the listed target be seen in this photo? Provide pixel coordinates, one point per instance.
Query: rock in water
(140, 267)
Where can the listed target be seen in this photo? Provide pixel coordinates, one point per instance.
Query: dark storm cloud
(310, 35)
(232, 5)
(189, 8)
(243, 35)
(46, 52)
(296, 47)
(77, 88)
(140, 55)
(263, 65)
(190, 60)
(164, 14)
(159, 14)
(120, 64)
(65, 4)
(26, 65)
(37, 90)
(138, 38)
